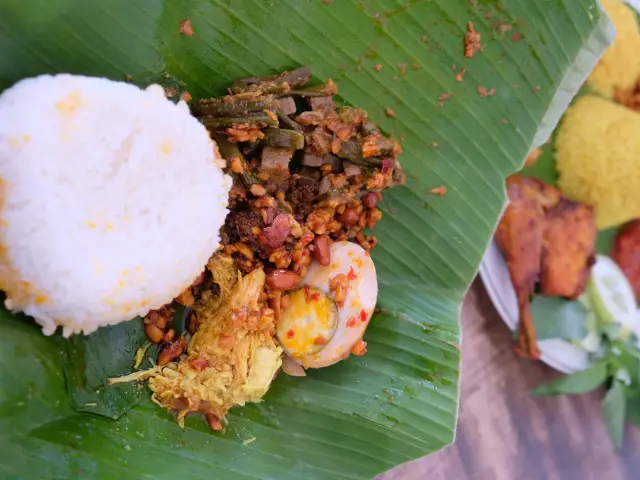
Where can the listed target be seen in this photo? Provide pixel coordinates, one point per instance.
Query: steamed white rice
(111, 200)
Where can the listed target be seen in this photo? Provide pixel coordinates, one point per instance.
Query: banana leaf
(400, 401)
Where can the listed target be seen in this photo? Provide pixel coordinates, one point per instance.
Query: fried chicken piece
(548, 238)
(626, 253)
(568, 250)
(545, 194)
(519, 236)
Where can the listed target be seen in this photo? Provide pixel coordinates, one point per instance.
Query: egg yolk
(307, 323)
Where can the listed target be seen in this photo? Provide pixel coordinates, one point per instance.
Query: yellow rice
(598, 159)
(619, 67)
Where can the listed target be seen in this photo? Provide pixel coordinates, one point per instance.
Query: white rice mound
(111, 200)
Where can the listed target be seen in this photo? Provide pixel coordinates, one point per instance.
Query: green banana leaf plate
(368, 414)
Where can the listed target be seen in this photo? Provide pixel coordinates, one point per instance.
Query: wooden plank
(504, 433)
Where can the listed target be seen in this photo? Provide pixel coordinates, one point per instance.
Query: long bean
(294, 78)
(220, 108)
(211, 121)
(324, 90)
(279, 137)
(278, 89)
(367, 162)
(229, 152)
(369, 128)
(287, 122)
(351, 150)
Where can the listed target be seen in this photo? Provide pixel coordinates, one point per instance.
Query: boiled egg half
(314, 329)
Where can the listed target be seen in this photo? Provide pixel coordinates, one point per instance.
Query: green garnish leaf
(583, 381)
(633, 404)
(613, 411)
(559, 318)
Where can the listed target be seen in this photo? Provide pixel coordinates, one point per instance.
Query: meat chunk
(568, 250)
(276, 158)
(335, 162)
(287, 105)
(319, 141)
(321, 104)
(275, 234)
(311, 160)
(351, 169)
(626, 253)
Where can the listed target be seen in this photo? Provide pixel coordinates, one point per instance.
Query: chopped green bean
(238, 107)
(278, 137)
(229, 152)
(294, 78)
(287, 122)
(324, 90)
(213, 122)
(352, 151)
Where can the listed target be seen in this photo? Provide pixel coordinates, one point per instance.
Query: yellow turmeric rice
(597, 153)
(619, 67)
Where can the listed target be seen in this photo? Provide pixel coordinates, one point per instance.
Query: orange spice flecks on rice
(54, 236)
(19, 292)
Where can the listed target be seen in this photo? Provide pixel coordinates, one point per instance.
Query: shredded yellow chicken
(225, 276)
(231, 359)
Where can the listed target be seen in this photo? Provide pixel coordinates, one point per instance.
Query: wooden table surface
(504, 433)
